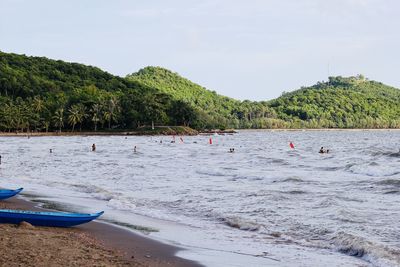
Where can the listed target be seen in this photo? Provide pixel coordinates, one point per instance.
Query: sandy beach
(92, 244)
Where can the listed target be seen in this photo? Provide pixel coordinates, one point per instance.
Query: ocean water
(263, 205)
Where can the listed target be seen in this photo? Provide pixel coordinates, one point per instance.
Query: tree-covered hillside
(40, 94)
(353, 102)
(213, 110)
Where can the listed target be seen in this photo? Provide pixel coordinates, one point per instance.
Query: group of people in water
(231, 150)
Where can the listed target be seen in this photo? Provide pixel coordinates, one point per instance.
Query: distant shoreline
(25, 134)
(322, 129)
(159, 130)
(148, 133)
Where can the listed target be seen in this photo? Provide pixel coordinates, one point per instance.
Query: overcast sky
(253, 49)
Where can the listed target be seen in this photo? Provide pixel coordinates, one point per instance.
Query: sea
(265, 204)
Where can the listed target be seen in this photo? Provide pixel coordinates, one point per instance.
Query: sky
(253, 49)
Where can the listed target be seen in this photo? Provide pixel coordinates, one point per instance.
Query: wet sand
(92, 244)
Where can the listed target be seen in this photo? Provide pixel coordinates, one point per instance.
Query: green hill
(182, 88)
(213, 110)
(353, 102)
(41, 94)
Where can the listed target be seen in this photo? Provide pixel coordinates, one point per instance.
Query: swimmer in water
(134, 149)
(321, 151)
(94, 147)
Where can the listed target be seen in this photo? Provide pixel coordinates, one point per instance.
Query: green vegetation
(212, 110)
(352, 102)
(47, 95)
(41, 94)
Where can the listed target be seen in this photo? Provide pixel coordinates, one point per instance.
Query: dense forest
(213, 110)
(352, 102)
(40, 94)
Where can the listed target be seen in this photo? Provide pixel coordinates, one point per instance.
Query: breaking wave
(374, 253)
(241, 224)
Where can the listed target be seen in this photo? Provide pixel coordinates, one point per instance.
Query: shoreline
(324, 129)
(133, 133)
(119, 246)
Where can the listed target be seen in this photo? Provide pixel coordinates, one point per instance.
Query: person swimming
(94, 147)
(134, 149)
(231, 150)
(323, 151)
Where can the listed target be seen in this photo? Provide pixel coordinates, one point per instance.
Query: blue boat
(7, 193)
(44, 218)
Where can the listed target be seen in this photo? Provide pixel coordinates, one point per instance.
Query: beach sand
(92, 244)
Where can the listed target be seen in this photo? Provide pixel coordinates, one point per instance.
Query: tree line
(47, 95)
(39, 94)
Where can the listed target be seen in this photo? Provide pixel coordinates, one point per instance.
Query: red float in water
(291, 145)
(210, 141)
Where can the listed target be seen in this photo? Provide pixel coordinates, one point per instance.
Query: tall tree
(74, 116)
(96, 115)
(58, 118)
(112, 109)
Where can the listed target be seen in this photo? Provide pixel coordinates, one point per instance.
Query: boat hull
(51, 219)
(6, 193)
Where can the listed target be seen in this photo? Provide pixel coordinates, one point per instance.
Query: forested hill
(213, 110)
(41, 94)
(352, 102)
(183, 89)
(180, 88)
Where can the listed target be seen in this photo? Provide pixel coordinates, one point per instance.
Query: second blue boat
(43, 218)
(7, 193)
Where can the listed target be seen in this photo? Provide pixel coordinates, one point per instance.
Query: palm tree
(112, 108)
(38, 104)
(18, 117)
(73, 117)
(82, 115)
(77, 113)
(58, 118)
(96, 108)
(9, 116)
